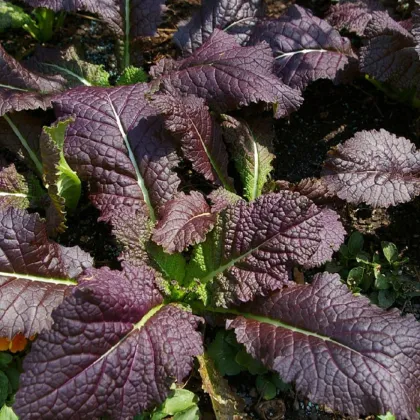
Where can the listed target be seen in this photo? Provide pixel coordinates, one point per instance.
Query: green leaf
(7, 413)
(254, 367)
(132, 75)
(355, 276)
(265, 387)
(13, 375)
(12, 16)
(173, 266)
(386, 298)
(251, 145)
(355, 243)
(390, 251)
(5, 359)
(223, 353)
(4, 388)
(387, 416)
(381, 281)
(192, 413)
(181, 400)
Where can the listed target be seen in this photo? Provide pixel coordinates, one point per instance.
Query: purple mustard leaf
(391, 54)
(332, 236)
(253, 246)
(228, 76)
(114, 350)
(22, 89)
(353, 16)
(235, 16)
(306, 48)
(118, 144)
(185, 221)
(14, 191)
(35, 273)
(313, 188)
(338, 349)
(188, 118)
(375, 167)
(221, 199)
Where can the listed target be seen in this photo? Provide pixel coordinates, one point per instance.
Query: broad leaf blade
(201, 138)
(391, 54)
(227, 76)
(353, 16)
(22, 89)
(237, 17)
(250, 144)
(282, 230)
(306, 48)
(35, 273)
(375, 167)
(185, 221)
(338, 349)
(114, 350)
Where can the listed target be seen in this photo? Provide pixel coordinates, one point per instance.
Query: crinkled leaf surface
(22, 89)
(375, 167)
(114, 350)
(63, 184)
(227, 75)
(14, 190)
(305, 47)
(253, 247)
(313, 188)
(332, 236)
(118, 144)
(353, 16)
(339, 349)
(392, 54)
(185, 221)
(237, 15)
(250, 145)
(35, 273)
(201, 138)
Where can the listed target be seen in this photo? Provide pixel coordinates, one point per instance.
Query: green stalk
(25, 144)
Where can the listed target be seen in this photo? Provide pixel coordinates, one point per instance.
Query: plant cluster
(112, 343)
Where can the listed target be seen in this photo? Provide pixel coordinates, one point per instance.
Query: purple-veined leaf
(313, 188)
(201, 138)
(222, 198)
(305, 47)
(391, 54)
(114, 350)
(353, 16)
(332, 236)
(253, 247)
(338, 349)
(227, 76)
(22, 89)
(35, 273)
(250, 145)
(185, 221)
(375, 167)
(118, 144)
(235, 16)
(14, 191)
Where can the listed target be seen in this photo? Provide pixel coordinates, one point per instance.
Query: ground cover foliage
(114, 343)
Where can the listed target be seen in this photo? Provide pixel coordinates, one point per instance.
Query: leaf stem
(25, 144)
